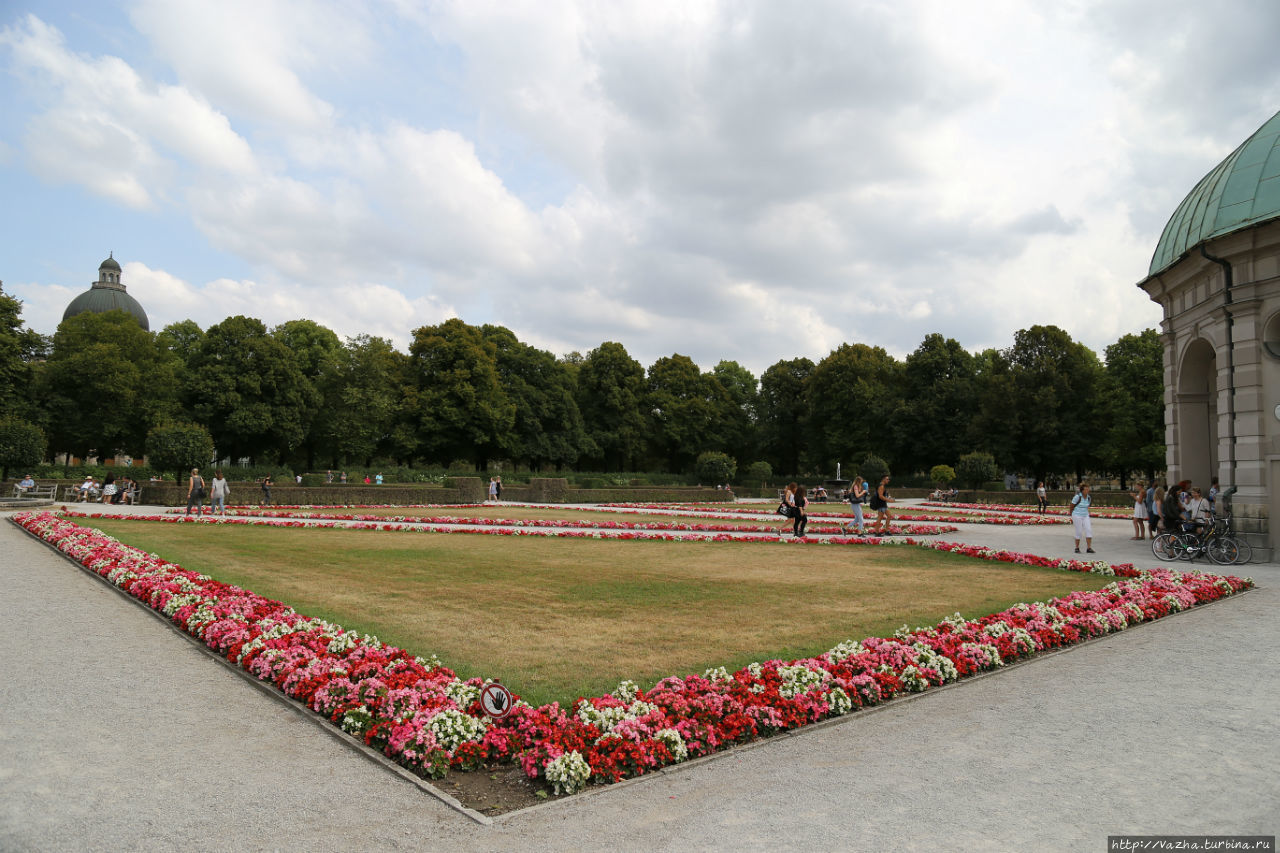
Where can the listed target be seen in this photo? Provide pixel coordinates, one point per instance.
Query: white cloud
(728, 180)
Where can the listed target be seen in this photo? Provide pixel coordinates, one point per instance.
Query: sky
(754, 181)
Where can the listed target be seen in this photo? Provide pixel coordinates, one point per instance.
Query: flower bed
(605, 530)
(975, 518)
(900, 530)
(1054, 511)
(420, 714)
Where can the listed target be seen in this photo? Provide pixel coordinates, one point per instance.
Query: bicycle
(1215, 542)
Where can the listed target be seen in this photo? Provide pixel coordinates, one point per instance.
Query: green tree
(246, 388)
(738, 420)
(178, 447)
(994, 424)
(685, 409)
(784, 414)
(364, 418)
(873, 469)
(611, 385)
(1133, 404)
(1054, 403)
(105, 384)
(852, 394)
(456, 398)
(548, 427)
(942, 475)
(318, 353)
(20, 347)
(938, 401)
(183, 339)
(713, 466)
(22, 445)
(975, 469)
(759, 472)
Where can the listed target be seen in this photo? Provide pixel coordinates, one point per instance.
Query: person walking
(857, 497)
(1153, 509)
(195, 492)
(880, 503)
(1139, 513)
(497, 496)
(266, 490)
(1080, 520)
(1042, 497)
(801, 518)
(493, 489)
(219, 491)
(788, 506)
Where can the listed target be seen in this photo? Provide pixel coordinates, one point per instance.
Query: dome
(100, 299)
(1241, 191)
(110, 264)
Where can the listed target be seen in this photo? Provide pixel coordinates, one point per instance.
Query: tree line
(298, 395)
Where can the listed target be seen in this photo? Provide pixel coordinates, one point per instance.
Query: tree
(177, 447)
(19, 348)
(1055, 384)
(456, 399)
(363, 412)
(105, 384)
(995, 421)
(942, 475)
(716, 467)
(759, 472)
(22, 445)
(784, 413)
(317, 351)
(738, 420)
(852, 395)
(247, 389)
(977, 468)
(938, 400)
(873, 469)
(685, 410)
(183, 339)
(611, 385)
(1133, 402)
(548, 427)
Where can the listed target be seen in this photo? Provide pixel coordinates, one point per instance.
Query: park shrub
(716, 467)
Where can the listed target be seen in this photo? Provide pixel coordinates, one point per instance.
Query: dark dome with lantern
(107, 294)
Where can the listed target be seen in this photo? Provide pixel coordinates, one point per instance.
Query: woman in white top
(1198, 512)
(1042, 497)
(218, 493)
(1080, 518)
(1139, 512)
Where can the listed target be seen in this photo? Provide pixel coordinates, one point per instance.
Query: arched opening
(1197, 403)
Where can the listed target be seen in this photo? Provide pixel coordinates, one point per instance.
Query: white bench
(36, 491)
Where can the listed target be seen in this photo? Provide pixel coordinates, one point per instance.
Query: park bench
(36, 491)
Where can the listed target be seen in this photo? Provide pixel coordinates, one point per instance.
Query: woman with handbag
(787, 506)
(195, 492)
(801, 519)
(857, 497)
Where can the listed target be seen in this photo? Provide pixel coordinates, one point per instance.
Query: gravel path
(119, 735)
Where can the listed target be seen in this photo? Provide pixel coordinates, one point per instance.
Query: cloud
(242, 53)
(109, 130)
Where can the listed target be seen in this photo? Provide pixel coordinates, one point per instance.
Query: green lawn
(558, 618)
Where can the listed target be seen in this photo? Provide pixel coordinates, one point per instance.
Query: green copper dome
(107, 294)
(99, 299)
(1242, 191)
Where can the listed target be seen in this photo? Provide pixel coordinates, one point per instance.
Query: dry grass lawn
(558, 618)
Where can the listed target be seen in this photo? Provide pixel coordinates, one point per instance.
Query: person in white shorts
(1080, 518)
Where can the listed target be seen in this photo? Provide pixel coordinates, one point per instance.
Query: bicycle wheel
(1188, 546)
(1223, 550)
(1165, 547)
(1244, 551)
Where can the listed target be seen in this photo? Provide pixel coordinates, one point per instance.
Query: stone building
(1216, 274)
(107, 294)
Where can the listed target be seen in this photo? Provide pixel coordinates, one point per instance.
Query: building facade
(1216, 274)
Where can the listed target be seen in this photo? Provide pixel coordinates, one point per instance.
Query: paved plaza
(119, 734)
